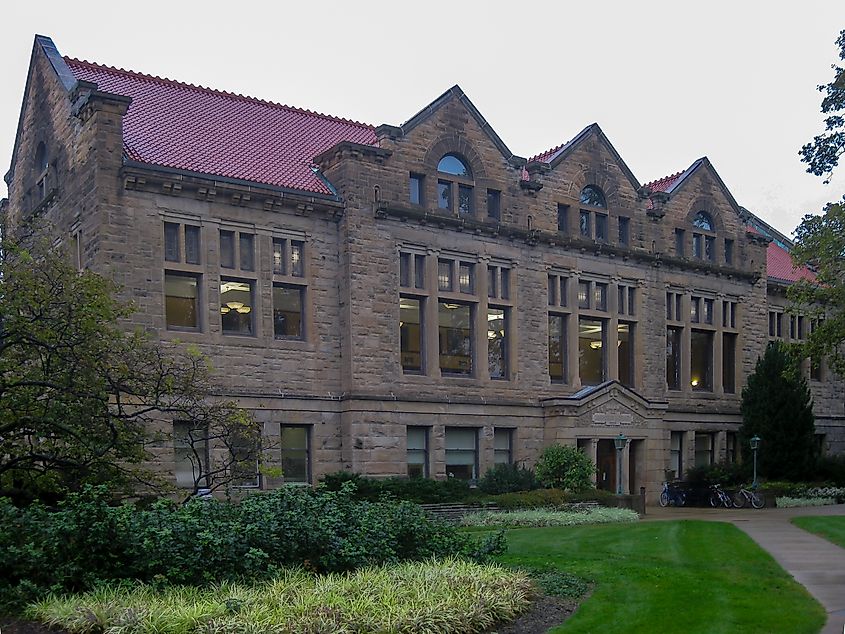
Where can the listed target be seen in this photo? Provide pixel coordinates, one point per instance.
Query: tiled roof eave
(236, 183)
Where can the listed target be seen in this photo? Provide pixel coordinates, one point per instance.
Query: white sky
(668, 82)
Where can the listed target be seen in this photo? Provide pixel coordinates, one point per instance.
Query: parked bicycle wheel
(664, 499)
(757, 500)
(715, 500)
(739, 500)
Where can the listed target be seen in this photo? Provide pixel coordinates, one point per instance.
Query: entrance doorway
(606, 465)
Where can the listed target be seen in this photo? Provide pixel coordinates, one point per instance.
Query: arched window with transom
(455, 185)
(593, 222)
(703, 237)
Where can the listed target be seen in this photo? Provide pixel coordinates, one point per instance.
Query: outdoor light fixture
(619, 442)
(755, 444)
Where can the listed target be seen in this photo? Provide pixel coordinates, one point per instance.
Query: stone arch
(602, 180)
(709, 207)
(455, 144)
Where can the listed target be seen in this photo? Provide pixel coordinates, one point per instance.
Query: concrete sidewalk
(814, 562)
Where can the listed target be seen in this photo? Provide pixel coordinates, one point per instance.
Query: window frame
(197, 277)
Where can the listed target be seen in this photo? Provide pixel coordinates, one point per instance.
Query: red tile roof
(664, 184)
(779, 266)
(219, 133)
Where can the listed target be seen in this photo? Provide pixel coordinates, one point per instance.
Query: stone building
(414, 299)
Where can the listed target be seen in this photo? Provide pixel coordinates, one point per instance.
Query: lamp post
(619, 442)
(755, 444)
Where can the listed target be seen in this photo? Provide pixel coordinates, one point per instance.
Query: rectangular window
(494, 204)
(417, 452)
(601, 227)
(244, 466)
(676, 453)
(670, 302)
(455, 338)
(632, 301)
(703, 449)
(419, 271)
(462, 453)
(245, 247)
(701, 360)
(557, 348)
(583, 294)
(600, 296)
(793, 333)
(287, 311)
(730, 447)
(465, 206)
(697, 246)
(192, 244)
(729, 363)
(444, 275)
(772, 316)
(708, 311)
(800, 327)
(181, 301)
(404, 269)
(236, 307)
(592, 340)
(729, 251)
(411, 334)
(279, 259)
(297, 258)
(563, 218)
(190, 454)
(295, 453)
(227, 249)
(710, 248)
(171, 242)
(624, 231)
(680, 239)
(502, 445)
(695, 310)
(625, 348)
(466, 278)
(779, 325)
(584, 224)
(415, 185)
(673, 358)
(497, 342)
(444, 194)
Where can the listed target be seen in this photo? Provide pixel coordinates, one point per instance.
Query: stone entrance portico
(592, 417)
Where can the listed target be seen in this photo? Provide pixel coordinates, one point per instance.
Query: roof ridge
(215, 91)
(550, 151)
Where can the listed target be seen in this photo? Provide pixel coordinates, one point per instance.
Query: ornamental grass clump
(535, 518)
(447, 596)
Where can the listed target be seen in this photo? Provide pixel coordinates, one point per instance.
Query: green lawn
(831, 528)
(685, 576)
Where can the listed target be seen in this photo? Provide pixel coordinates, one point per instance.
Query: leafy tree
(79, 395)
(565, 467)
(820, 240)
(777, 407)
(822, 155)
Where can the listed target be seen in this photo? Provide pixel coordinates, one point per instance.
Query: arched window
(455, 185)
(593, 196)
(703, 220)
(452, 164)
(704, 245)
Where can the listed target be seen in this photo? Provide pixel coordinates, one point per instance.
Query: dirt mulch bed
(546, 612)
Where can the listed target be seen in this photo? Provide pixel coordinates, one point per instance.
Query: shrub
(508, 478)
(565, 467)
(548, 498)
(546, 517)
(419, 490)
(831, 469)
(449, 596)
(86, 542)
(726, 474)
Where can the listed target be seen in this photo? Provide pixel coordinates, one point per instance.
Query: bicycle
(672, 496)
(719, 497)
(744, 496)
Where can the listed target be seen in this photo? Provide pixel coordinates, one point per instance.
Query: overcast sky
(668, 82)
